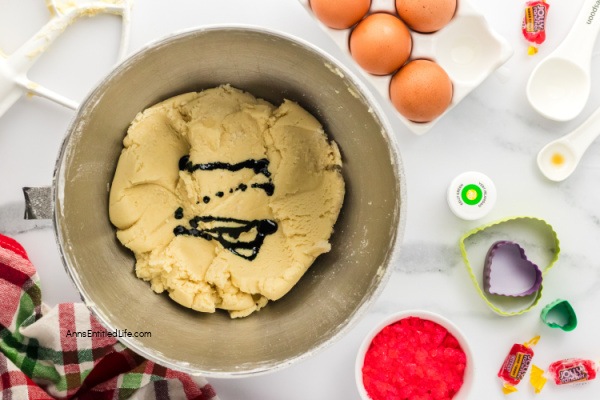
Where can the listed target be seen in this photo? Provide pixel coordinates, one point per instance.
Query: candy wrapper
(564, 372)
(534, 24)
(516, 364)
(573, 370)
(537, 378)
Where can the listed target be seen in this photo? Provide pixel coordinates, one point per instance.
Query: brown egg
(380, 43)
(340, 14)
(426, 15)
(421, 91)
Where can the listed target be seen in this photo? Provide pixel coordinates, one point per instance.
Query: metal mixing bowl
(339, 285)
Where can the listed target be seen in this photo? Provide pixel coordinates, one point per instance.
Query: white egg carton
(467, 49)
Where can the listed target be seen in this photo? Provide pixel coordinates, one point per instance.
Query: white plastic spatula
(13, 68)
(559, 86)
(558, 159)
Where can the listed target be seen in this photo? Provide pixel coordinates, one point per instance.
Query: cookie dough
(225, 199)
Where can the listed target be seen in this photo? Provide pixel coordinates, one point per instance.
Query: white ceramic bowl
(465, 389)
(467, 49)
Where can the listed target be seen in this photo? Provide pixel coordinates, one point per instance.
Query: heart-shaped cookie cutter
(534, 234)
(559, 310)
(508, 271)
(13, 68)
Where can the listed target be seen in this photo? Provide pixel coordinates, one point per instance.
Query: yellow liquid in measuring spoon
(557, 159)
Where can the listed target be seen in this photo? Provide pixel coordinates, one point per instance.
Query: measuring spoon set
(559, 88)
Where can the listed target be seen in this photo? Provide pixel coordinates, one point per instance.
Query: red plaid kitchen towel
(39, 360)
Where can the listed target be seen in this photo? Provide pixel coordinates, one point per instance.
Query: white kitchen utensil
(558, 159)
(13, 68)
(559, 86)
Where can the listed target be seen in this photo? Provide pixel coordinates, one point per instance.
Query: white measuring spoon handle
(579, 43)
(582, 137)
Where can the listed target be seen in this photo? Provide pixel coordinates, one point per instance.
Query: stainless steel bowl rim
(384, 269)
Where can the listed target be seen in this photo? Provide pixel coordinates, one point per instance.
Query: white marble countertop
(493, 130)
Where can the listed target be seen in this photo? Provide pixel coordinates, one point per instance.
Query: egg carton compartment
(466, 48)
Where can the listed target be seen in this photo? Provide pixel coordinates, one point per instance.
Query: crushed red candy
(414, 359)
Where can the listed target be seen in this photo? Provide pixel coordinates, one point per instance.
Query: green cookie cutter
(535, 235)
(563, 311)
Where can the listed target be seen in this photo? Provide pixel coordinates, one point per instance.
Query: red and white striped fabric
(40, 358)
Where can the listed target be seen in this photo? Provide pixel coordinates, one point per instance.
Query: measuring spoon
(559, 86)
(558, 159)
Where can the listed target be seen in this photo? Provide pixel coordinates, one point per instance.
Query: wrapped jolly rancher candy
(516, 364)
(534, 24)
(564, 372)
(573, 370)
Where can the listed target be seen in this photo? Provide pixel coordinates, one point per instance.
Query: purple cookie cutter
(508, 272)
